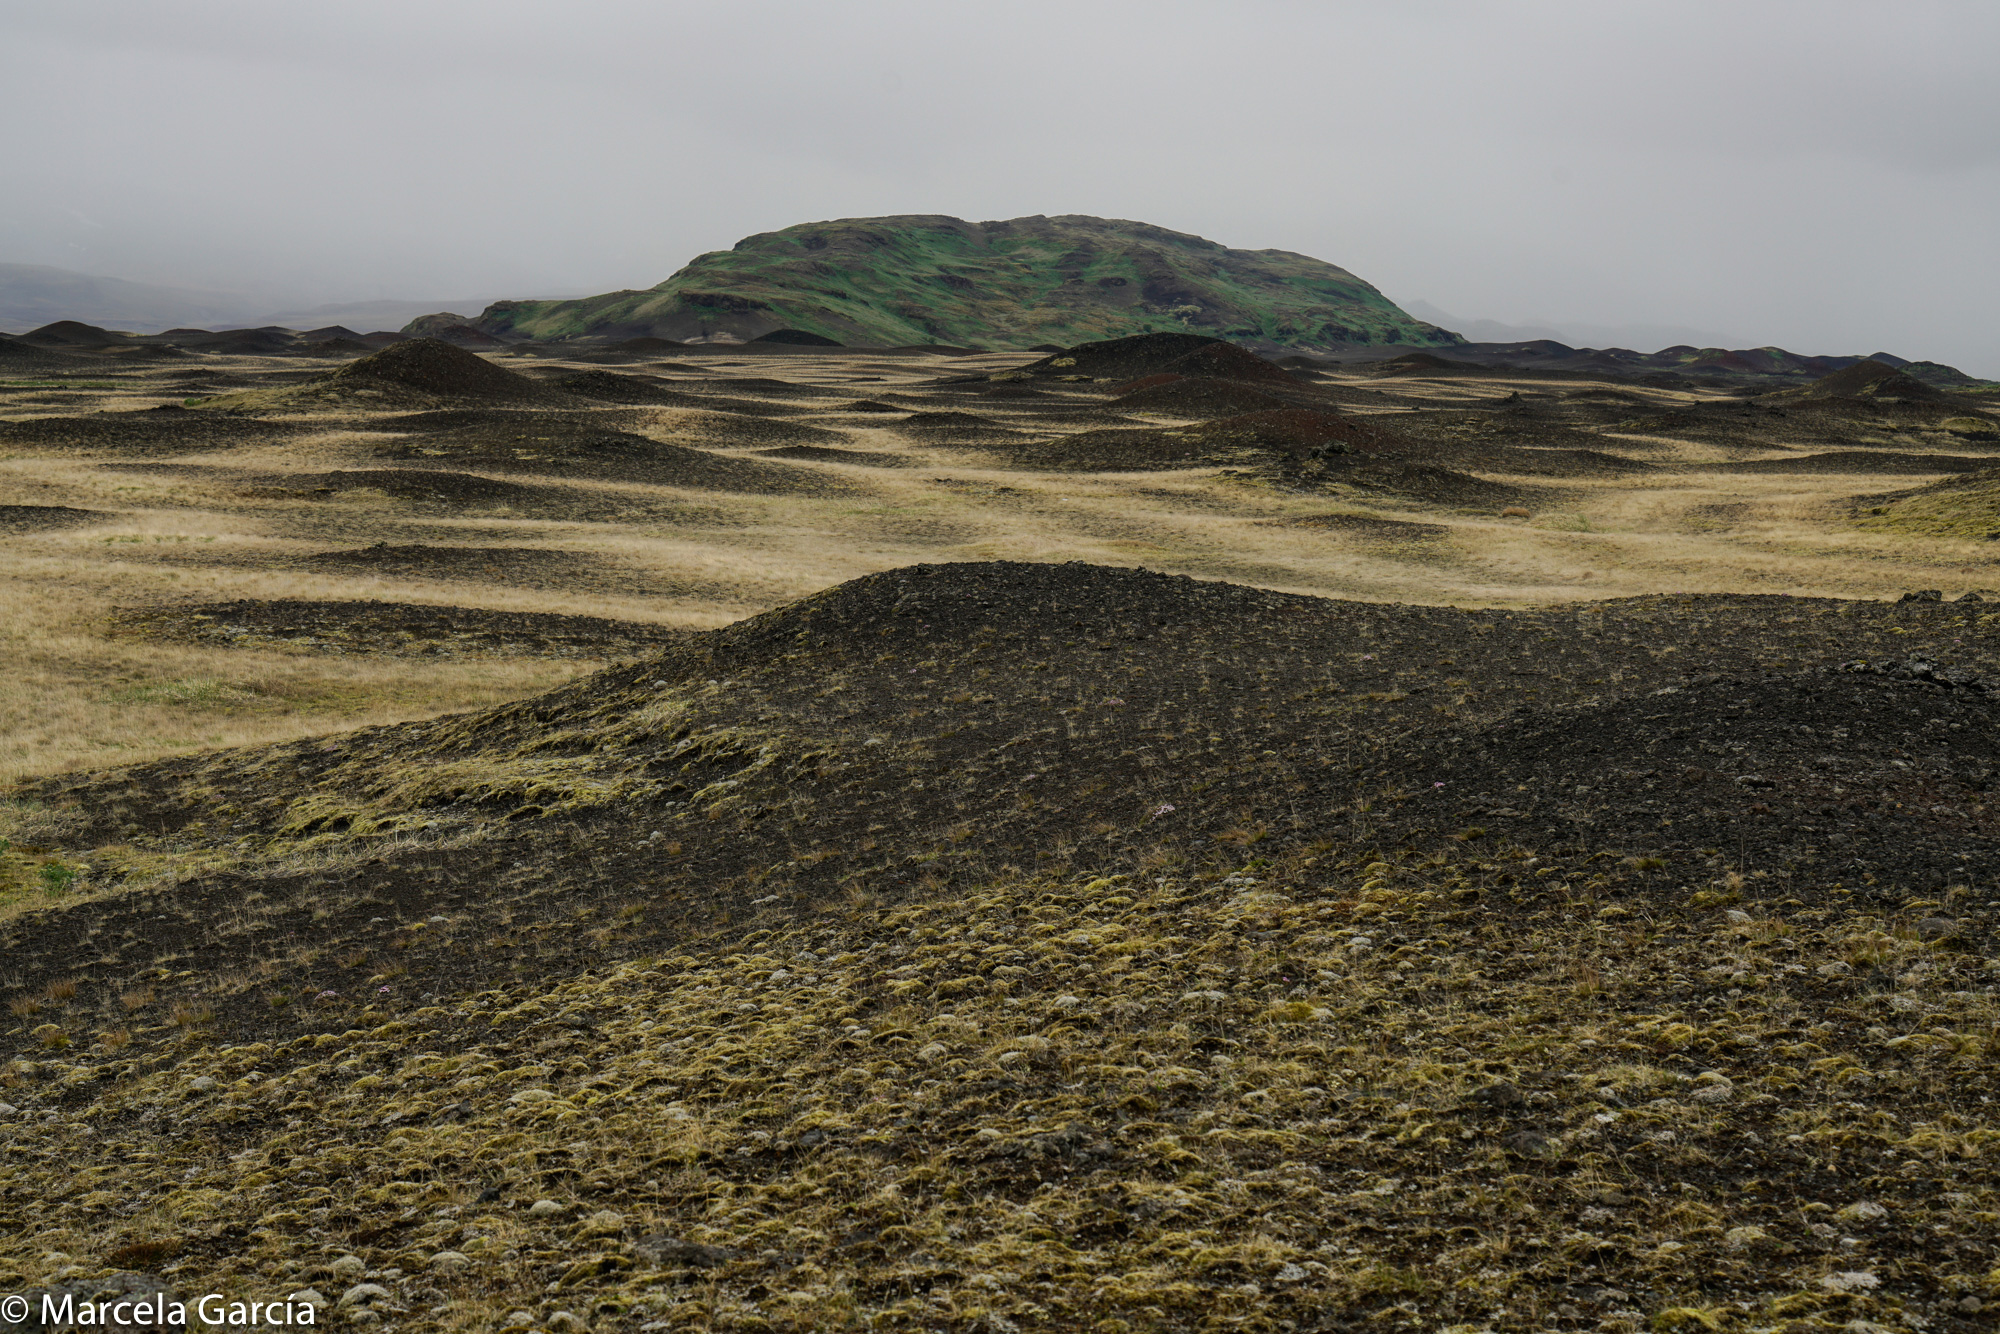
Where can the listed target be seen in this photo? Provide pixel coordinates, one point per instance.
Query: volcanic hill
(1065, 946)
(930, 279)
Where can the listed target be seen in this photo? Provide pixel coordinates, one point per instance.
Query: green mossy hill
(929, 279)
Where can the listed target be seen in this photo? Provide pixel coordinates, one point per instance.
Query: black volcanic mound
(434, 367)
(72, 334)
(1531, 461)
(522, 420)
(423, 485)
(1161, 353)
(396, 629)
(612, 388)
(821, 454)
(336, 347)
(146, 431)
(1296, 707)
(15, 519)
(795, 338)
(1426, 363)
(1290, 435)
(1437, 485)
(1855, 461)
(1850, 765)
(954, 428)
(529, 566)
(1194, 396)
(1296, 947)
(580, 449)
(17, 353)
(1299, 431)
(1366, 526)
(1872, 379)
(723, 426)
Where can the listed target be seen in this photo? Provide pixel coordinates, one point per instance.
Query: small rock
(364, 1294)
(566, 1322)
(9, 1109)
(1854, 1280)
(665, 1250)
(349, 1267)
(1923, 595)
(449, 1262)
(1934, 928)
(202, 1083)
(1713, 1088)
(544, 1208)
(310, 1296)
(1527, 1143)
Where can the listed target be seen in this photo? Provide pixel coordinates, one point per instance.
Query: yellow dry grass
(73, 694)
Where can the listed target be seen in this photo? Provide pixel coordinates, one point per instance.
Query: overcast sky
(1824, 176)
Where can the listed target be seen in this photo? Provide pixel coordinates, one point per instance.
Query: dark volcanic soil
(1041, 947)
(1017, 701)
(399, 629)
(562, 449)
(528, 566)
(154, 431)
(42, 518)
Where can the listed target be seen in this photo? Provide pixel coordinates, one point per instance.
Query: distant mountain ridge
(32, 295)
(1682, 363)
(36, 295)
(932, 279)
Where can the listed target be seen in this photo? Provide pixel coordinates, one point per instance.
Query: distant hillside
(929, 279)
(32, 295)
(381, 314)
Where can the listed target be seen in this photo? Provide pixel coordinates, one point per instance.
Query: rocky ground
(1018, 945)
(873, 962)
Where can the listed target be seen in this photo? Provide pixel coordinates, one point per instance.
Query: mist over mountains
(1639, 336)
(33, 295)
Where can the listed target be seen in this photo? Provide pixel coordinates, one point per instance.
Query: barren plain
(1137, 837)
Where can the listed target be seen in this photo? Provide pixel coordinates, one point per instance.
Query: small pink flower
(1163, 809)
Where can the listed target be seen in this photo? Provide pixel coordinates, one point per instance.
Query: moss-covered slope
(934, 279)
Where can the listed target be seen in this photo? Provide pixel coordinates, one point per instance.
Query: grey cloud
(1819, 175)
